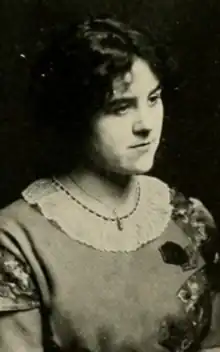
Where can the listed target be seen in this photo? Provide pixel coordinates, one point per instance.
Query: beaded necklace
(117, 219)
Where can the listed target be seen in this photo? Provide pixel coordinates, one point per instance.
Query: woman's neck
(114, 191)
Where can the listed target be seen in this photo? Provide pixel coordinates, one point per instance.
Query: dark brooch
(173, 253)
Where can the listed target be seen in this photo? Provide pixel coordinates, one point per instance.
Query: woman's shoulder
(185, 208)
(23, 226)
(188, 213)
(18, 291)
(192, 214)
(197, 222)
(24, 239)
(26, 209)
(18, 216)
(190, 208)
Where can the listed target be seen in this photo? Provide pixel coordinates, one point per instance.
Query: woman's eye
(121, 110)
(153, 99)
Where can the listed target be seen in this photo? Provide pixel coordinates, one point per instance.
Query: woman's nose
(142, 123)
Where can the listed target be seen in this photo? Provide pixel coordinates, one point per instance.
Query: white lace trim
(147, 223)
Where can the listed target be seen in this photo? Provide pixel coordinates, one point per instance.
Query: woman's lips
(141, 145)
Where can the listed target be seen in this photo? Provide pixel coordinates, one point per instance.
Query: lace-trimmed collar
(146, 224)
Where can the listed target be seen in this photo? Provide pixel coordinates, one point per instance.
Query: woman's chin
(130, 168)
(143, 166)
(139, 169)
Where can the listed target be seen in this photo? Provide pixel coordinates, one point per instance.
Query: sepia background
(189, 157)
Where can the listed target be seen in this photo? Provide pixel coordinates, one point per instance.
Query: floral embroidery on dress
(198, 224)
(185, 333)
(190, 215)
(17, 288)
(176, 334)
(195, 297)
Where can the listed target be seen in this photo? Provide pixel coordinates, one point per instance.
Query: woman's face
(126, 136)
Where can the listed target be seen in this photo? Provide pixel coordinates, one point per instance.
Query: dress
(157, 290)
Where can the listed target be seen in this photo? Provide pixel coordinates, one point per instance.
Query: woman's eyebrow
(117, 102)
(124, 100)
(156, 89)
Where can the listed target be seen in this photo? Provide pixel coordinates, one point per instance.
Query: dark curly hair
(72, 81)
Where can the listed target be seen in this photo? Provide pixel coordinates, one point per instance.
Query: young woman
(98, 256)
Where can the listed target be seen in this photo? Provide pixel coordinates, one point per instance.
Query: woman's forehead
(139, 80)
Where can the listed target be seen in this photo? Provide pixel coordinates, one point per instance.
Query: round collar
(146, 224)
